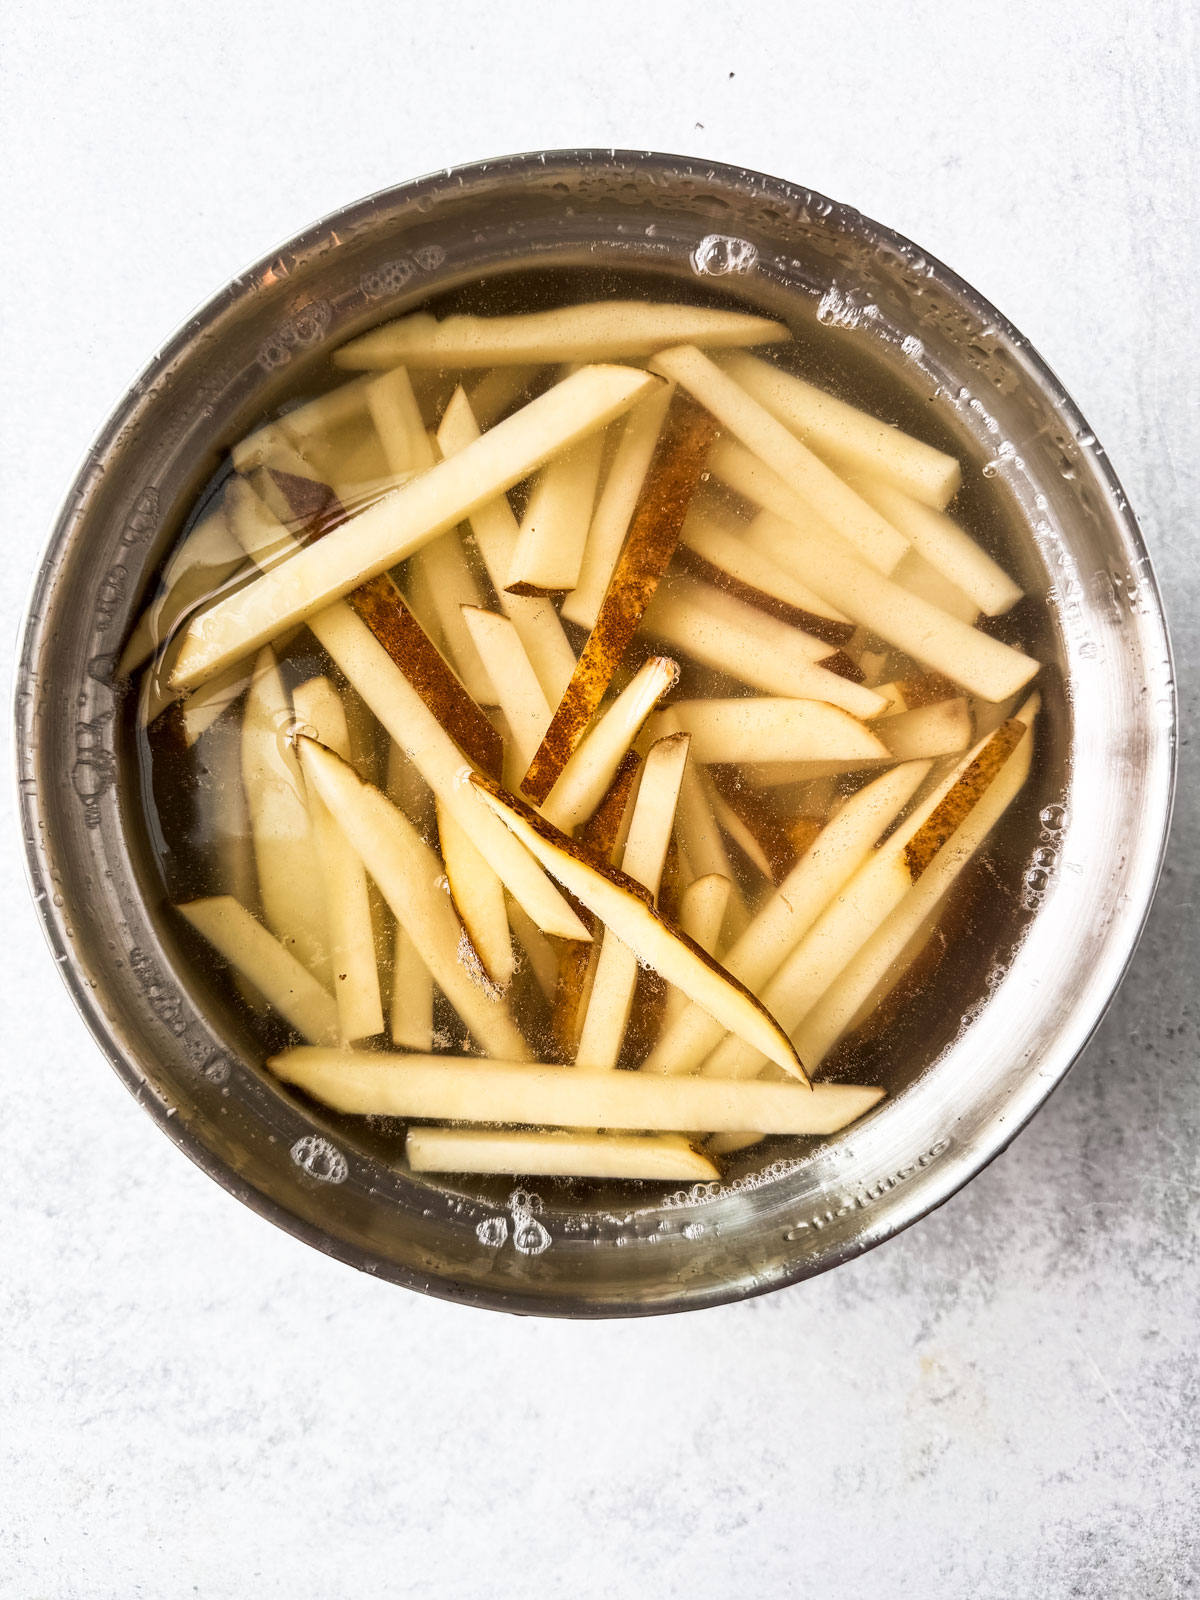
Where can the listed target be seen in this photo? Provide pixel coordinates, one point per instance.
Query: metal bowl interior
(1104, 774)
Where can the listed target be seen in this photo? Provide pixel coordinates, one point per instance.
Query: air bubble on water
(530, 1237)
(718, 254)
(693, 1230)
(492, 1231)
(912, 347)
(320, 1159)
(1053, 817)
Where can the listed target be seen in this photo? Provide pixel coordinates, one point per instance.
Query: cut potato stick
(289, 876)
(701, 914)
(869, 898)
(518, 691)
(347, 905)
(407, 519)
(739, 831)
(410, 1011)
(409, 877)
(943, 729)
(447, 579)
(919, 577)
(207, 558)
(828, 1020)
(554, 529)
(478, 897)
(604, 833)
(499, 390)
(616, 505)
(539, 951)
(667, 490)
(897, 700)
(381, 607)
(327, 412)
(286, 986)
(732, 637)
(610, 330)
(563, 1153)
(714, 553)
(199, 710)
(585, 777)
(456, 1088)
(625, 908)
(725, 1144)
(945, 545)
(804, 473)
(837, 853)
(774, 729)
(496, 531)
(611, 999)
(980, 664)
(698, 835)
(850, 440)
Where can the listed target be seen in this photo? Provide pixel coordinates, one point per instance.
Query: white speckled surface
(999, 1404)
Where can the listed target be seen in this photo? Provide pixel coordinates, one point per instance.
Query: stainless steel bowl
(1104, 775)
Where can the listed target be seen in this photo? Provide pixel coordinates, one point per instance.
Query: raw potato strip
(407, 519)
(804, 473)
(562, 1154)
(201, 709)
(289, 876)
(496, 531)
(625, 907)
(698, 836)
(822, 872)
(616, 505)
(780, 774)
(478, 897)
(610, 330)
(724, 633)
(519, 694)
(701, 913)
(409, 876)
(410, 1011)
(604, 834)
(207, 558)
(980, 664)
(867, 900)
(945, 546)
(775, 729)
(448, 579)
(498, 391)
(456, 1088)
(829, 1019)
(381, 607)
(251, 951)
(667, 490)
(416, 729)
(720, 555)
(849, 439)
(615, 982)
(916, 575)
(554, 529)
(944, 729)
(328, 411)
(347, 903)
(539, 951)
(739, 831)
(589, 772)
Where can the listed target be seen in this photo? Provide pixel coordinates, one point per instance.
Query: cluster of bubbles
(702, 1193)
(1040, 870)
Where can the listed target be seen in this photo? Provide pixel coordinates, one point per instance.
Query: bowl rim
(952, 1176)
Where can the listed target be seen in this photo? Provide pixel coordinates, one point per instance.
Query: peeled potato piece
(921, 578)
(554, 529)
(478, 897)
(562, 1153)
(347, 903)
(582, 782)
(456, 1088)
(701, 913)
(719, 555)
(769, 728)
(942, 729)
(252, 952)
(849, 439)
(607, 1016)
(609, 330)
(414, 514)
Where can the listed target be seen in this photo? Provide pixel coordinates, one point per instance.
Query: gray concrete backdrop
(1002, 1403)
